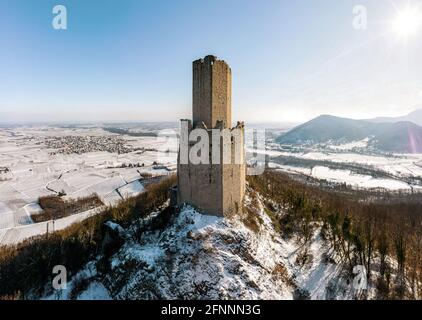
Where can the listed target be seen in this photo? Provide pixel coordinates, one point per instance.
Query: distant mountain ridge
(400, 137)
(414, 116)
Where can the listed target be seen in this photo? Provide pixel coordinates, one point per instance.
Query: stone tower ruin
(216, 185)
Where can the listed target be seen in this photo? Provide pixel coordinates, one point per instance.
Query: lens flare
(407, 22)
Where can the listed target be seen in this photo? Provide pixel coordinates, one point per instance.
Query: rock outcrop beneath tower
(216, 184)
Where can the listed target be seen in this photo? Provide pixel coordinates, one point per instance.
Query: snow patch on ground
(351, 145)
(95, 291)
(357, 180)
(132, 189)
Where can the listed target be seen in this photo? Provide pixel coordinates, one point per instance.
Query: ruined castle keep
(215, 185)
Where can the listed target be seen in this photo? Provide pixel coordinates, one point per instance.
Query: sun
(407, 22)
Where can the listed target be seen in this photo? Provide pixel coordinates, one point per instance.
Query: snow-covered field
(398, 164)
(9, 236)
(400, 167)
(34, 170)
(357, 180)
(351, 145)
(354, 180)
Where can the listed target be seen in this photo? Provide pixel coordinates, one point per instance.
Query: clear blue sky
(131, 59)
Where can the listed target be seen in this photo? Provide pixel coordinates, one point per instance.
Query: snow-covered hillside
(205, 257)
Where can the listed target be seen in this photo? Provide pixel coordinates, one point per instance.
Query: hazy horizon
(69, 121)
(131, 60)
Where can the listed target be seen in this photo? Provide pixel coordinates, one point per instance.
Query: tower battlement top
(210, 60)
